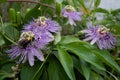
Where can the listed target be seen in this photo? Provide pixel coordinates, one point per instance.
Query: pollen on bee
(27, 36)
(102, 29)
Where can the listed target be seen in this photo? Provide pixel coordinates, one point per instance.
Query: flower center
(103, 30)
(69, 8)
(41, 21)
(26, 38)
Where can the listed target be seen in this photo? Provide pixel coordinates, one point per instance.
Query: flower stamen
(41, 21)
(69, 8)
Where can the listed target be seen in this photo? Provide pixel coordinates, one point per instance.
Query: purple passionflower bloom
(26, 49)
(72, 15)
(100, 34)
(43, 27)
(35, 36)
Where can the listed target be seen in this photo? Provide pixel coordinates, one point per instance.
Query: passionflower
(26, 49)
(101, 36)
(72, 15)
(43, 27)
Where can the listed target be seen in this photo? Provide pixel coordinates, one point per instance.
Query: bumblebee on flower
(26, 49)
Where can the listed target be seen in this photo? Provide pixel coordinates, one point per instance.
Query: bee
(103, 30)
(25, 39)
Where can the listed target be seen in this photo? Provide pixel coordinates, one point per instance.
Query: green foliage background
(69, 58)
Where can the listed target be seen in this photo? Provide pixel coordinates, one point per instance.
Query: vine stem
(31, 1)
(41, 66)
(3, 32)
(1, 24)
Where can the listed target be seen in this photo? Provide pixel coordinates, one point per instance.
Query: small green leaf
(58, 9)
(66, 62)
(19, 18)
(68, 39)
(1, 41)
(83, 5)
(57, 38)
(115, 12)
(12, 14)
(11, 32)
(97, 3)
(101, 10)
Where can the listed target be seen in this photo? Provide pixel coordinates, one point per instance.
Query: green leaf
(103, 22)
(115, 29)
(97, 3)
(16, 6)
(57, 38)
(58, 9)
(84, 53)
(44, 75)
(68, 39)
(33, 13)
(85, 69)
(4, 75)
(55, 70)
(98, 71)
(19, 18)
(105, 57)
(82, 67)
(6, 71)
(12, 14)
(113, 76)
(11, 32)
(101, 10)
(27, 72)
(83, 5)
(1, 41)
(115, 12)
(77, 64)
(66, 62)
(96, 76)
